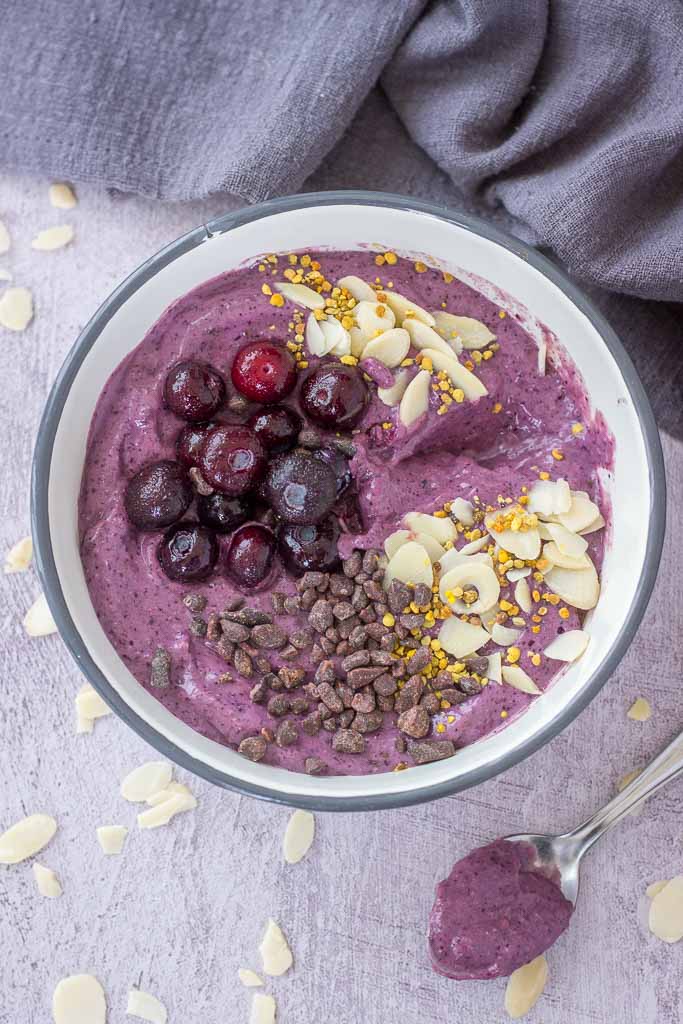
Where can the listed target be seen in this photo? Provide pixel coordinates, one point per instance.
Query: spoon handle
(667, 765)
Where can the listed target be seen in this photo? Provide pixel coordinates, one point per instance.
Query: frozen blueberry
(194, 390)
(190, 440)
(222, 512)
(158, 495)
(188, 552)
(232, 459)
(311, 548)
(277, 428)
(334, 395)
(300, 488)
(250, 556)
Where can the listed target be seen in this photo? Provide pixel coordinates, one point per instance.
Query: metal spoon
(564, 853)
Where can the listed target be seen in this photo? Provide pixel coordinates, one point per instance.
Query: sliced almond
(655, 887)
(146, 1006)
(26, 838)
(581, 514)
(89, 704)
(410, 564)
(474, 546)
(425, 338)
(358, 341)
(462, 638)
(568, 646)
(262, 1009)
(16, 309)
(111, 838)
(568, 543)
(79, 999)
(460, 376)
(83, 725)
(665, 919)
(542, 357)
(298, 836)
(249, 978)
(62, 196)
(19, 557)
(552, 554)
(504, 636)
(390, 348)
(301, 294)
(47, 881)
(463, 510)
(472, 333)
(53, 238)
(275, 952)
(549, 497)
(405, 309)
(373, 318)
(524, 544)
(495, 669)
(431, 546)
(415, 401)
(597, 524)
(453, 558)
(337, 339)
(523, 594)
(470, 575)
(359, 289)
(441, 529)
(38, 620)
(161, 813)
(525, 987)
(172, 789)
(146, 780)
(396, 540)
(447, 326)
(516, 677)
(578, 587)
(4, 238)
(394, 394)
(640, 710)
(317, 342)
(514, 575)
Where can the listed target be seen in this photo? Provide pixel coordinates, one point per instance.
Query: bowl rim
(40, 479)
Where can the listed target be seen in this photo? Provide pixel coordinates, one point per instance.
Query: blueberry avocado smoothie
(340, 513)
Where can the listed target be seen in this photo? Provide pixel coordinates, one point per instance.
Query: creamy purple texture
(486, 448)
(494, 913)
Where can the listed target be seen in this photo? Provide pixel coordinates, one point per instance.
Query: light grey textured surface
(185, 906)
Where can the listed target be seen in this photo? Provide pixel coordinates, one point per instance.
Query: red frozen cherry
(194, 390)
(277, 427)
(232, 459)
(158, 495)
(190, 440)
(300, 488)
(250, 555)
(188, 552)
(334, 395)
(264, 372)
(313, 547)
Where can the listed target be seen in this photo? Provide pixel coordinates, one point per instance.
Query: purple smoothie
(486, 448)
(494, 913)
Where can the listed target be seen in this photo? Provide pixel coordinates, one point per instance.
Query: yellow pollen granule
(503, 714)
(277, 300)
(459, 395)
(388, 619)
(266, 289)
(440, 727)
(502, 314)
(420, 267)
(513, 655)
(348, 360)
(379, 260)
(262, 267)
(557, 454)
(497, 408)
(563, 613)
(544, 475)
(536, 659)
(535, 629)
(448, 278)
(391, 258)
(577, 428)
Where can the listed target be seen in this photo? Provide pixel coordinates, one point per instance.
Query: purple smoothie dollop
(495, 912)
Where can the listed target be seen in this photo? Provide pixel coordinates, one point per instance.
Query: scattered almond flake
(16, 309)
(298, 836)
(249, 978)
(469, 579)
(262, 1009)
(111, 838)
(472, 333)
(19, 557)
(495, 667)
(523, 542)
(143, 782)
(504, 636)
(549, 497)
(275, 953)
(53, 238)
(5, 275)
(523, 595)
(552, 554)
(578, 587)
(426, 339)
(410, 564)
(170, 790)
(89, 706)
(463, 510)
(79, 999)
(462, 638)
(301, 294)
(47, 881)
(568, 646)
(516, 677)
(405, 310)
(162, 812)
(568, 543)
(415, 400)
(390, 348)
(515, 575)
(394, 394)
(475, 546)
(146, 1007)
(373, 317)
(442, 530)
(26, 837)
(665, 919)
(597, 524)
(582, 513)
(4, 238)
(525, 986)
(396, 540)
(640, 710)
(542, 356)
(62, 196)
(655, 887)
(358, 289)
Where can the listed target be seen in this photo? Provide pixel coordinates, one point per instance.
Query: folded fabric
(569, 113)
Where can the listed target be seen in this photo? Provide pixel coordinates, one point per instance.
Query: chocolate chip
(317, 653)
(346, 694)
(343, 648)
(330, 724)
(430, 702)
(299, 705)
(360, 599)
(287, 734)
(291, 677)
(343, 445)
(312, 723)
(341, 586)
(198, 626)
(332, 634)
(213, 628)
(314, 766)
(330, 698)
(419, 660)
(317, 580)
(385, 703)
(242, 662)
(352, 564)
(271, 636)
(401, 745)
(195, 602)
(278, 602)
(412, 620)
(369, 721)
(453, 696)
(377, 630)
(253, 747)
(328, 646)
(346, 718)
(478, 665)
(422, 595)
(347, 741)
(426, 751)
(373, 590)
(324, 712)
(343, 610)
(234, 603)
(234, 632)
(364, 701)
(247, 616)
(292, 605)
(388, 641)
(357, 637)
(278, 705)
(160, 669)
(381, 658)
(401, 632)
(356, 660)
(289, 653)
(370, 560)
(357, 678)
(267, 734)
(262, 663)
(385, 685)
(367, 615)
(347, 627)
(398, 669)
(361, 577)
(258, 693)
(414, 722)
(224, 677)
(308, 599)
(409, 696)
(325, 672)
(301, 639)
(468, 685)
(320, 616)
(398, 596)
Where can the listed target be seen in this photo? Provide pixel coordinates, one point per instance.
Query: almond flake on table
(111, 838)
(47, 881)
(275, 952)
(172, 789)
(38, 620)
(79, 999)
(161, 813)
(16, 309)
(5, 275)
(249, 978)
(144, 781)
(62, 196)
(53, 238)
(640, 710)
(146, 1006)
(26, 837)
(525, 986)
(19, 557)
(298, 836)
(655, 887)
(262, 1009)
(89, 706)
(4, 238)
(665, 919)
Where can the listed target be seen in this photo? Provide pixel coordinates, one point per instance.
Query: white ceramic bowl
(504, 268)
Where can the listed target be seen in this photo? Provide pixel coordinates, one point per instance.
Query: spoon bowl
(556, 857)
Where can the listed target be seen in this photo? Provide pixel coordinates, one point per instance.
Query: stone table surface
(185, 906)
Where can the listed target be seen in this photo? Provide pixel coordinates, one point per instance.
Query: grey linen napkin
(565, 116)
